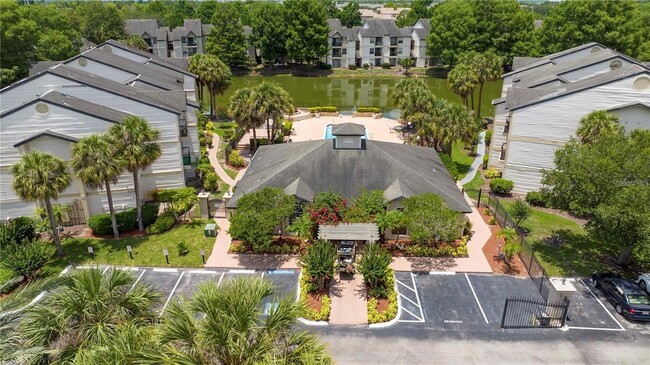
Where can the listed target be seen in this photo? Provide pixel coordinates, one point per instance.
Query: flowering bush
(328, 208)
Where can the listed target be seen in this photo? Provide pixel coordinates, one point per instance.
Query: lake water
(345, 93)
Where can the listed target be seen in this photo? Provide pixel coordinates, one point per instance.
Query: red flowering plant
(328, 208)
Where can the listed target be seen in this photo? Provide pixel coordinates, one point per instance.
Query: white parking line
(475, 297)
(442, 273)
(417, 303)
(165, 270)
(411, 313)
(172, 293)
(241, 271)
(597, 329)
(203, 272)
(417, 297)
(105, 270)
(138, 279)
(221, 278)
(602, 305)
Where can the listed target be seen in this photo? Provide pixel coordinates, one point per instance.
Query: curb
(397, 317)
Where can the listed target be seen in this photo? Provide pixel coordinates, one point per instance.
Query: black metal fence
(232, 144)
(534, 313)
(535, 269)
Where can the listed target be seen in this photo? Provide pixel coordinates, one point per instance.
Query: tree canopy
(428, 219)
(306, 29)
(350, 15)
(269, 32)
(227, 40)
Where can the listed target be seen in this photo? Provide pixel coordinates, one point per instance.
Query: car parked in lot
(626, 296)
(644, 281)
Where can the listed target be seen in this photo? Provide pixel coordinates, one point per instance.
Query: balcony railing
(337, 43)
(182, 127)
(187, 160)
(379, 43)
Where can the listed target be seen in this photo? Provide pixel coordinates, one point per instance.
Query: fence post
(566, 310)
(505, 311)
(478, 204)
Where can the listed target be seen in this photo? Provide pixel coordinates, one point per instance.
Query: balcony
(393, 42)
(336, 53)
(393, 52)
(187, 160)
(182, 127)
(379, 43)
(337, 42)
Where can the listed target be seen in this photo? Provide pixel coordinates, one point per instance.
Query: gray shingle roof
(519, 62)
(336, 27)
(422, 31)
(549, 58)
(72, 103)
(518, 98)
(383, 27)
(348, 129)
(41, 66)
(300, 190)
(321, 168)
(164, 62)
(142, 26)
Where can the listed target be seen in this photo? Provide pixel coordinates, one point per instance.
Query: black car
(628, 299)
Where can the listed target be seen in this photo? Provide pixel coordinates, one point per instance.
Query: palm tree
(462, 81)
(488, 66)
(241, 110)
(404, 87)
(234, 329)
(458, 126)
(87, 313)
(135, 142)
(391, 219)
(271, 102)
(193, 66)
(40, 176)
(214, 74)
(96, 163)
(597, 124)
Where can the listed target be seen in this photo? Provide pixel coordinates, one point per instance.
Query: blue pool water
(328, 132)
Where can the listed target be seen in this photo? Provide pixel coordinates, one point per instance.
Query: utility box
(204, 197)
(210, 230)
(561, 288)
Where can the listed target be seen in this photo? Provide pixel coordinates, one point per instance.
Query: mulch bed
(391, 247)
(491, 252)
(314, 299)
(382, 304)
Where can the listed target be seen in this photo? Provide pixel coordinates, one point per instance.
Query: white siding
(634, 117)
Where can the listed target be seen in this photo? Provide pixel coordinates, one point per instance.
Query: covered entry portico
(346, 237)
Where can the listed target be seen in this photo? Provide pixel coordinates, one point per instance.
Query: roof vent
(642, 83)
(42, 108)
(108, 49)
(82, 62)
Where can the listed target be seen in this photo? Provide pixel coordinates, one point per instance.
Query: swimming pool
(328, 132)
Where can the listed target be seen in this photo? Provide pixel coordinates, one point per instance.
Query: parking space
(409, 298)
(492, 291)
(589, 310)
(448, 301)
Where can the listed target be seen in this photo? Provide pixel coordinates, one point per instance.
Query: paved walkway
(212, 156)
(349, 304)
(478, 161)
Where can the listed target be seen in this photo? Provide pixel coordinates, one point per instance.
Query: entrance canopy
(349, 232)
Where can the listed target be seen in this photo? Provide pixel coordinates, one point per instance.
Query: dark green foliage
(350, 15)
(536, 199)
(428, 219)
(227, 40)
(257, 216)
(26, 259)
(520, 211)
(126, 220)
(371, 202)
(269, 31)
(450, 164)
(386, 65)
(352, 67)
(164, 223)
(177, 13)
(306, 29)
(323, 109)
(182, 249)
(486, 158)
(18, 230)
(488, 138)
(319, 261)
(101, 224)
(501, 186)
(181, 199)
(419, 10)
(368, 109)
(374, 265)
(149, 213)
(211, 182)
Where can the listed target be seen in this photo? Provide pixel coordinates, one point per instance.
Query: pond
(345, 93)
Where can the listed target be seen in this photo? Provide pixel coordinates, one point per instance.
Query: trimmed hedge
(536, 199)
(492, 174)
(386, 65)
(164, 223)
(368, 109)
(450, 164)
(323, 109)
(501, 186)
(352, 67)
(126, 220)
(488, 138)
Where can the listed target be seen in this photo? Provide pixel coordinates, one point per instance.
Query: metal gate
(521, 312)
(74, 214)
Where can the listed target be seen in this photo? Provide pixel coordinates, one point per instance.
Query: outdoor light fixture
(202, 251)
(91, 252)
(166, 253)
(130, 249)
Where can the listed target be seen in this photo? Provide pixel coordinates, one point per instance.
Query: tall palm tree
(271, 102)
(234, 330)
(193, 66)
(459, 126)
(40, 176)
(596, 124)
(241, 110)
(87, 313)
(215, 75)
(135, 143)
(404, 87)
(488, 66)
(462, 81)
(96, 162)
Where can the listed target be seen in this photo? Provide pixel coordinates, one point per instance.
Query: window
(183, 40)
(400, 41)
(345, 51)
(187, 160)
(506, 127)
(372, 51)
(399, 51)
(154, 40)
(502, 155)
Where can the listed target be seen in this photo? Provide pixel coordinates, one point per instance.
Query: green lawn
(462, 158)
(147, 251)
(578, 254)
(472, 187)
(5, 275)
(231, 173)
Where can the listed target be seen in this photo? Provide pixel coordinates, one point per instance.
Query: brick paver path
(349, 304)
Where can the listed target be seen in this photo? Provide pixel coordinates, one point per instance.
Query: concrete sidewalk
(349, 305)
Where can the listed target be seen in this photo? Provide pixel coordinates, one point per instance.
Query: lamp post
(407, 140)
(166, 253)
(202, 252)
(130, 249)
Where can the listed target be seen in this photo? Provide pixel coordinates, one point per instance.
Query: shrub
(26, 259)
(164, 223)
(492, 173)
(352, 67)
(18, 230)
(374, 266)
(450, 164)
(386, 65)
(536, 199)
(221, 112)
(211, 182)
(126, 220)
(510, 249)
(149, 213)
(366, 66)
(227, 135)
(325, 66)
(182, 249)
(319, 264)
(101, 224)
(235, 159)
(368, 109)
(501, 186)
(391, 311)
(323, 109)
(485, 161)
(11, 284)
(326, 302)
(520, 211)
(488, 138)
(181, 199)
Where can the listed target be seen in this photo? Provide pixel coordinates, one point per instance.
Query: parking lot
(172, 283)
(474, 302)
